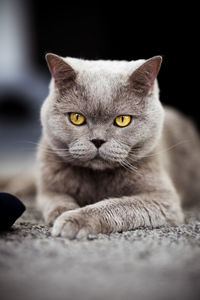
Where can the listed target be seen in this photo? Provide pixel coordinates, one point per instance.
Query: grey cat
(111, 158)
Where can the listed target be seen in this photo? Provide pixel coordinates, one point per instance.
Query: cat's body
(99, 177)
(180, 150)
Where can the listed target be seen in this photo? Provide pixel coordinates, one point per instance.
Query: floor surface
(141, 264)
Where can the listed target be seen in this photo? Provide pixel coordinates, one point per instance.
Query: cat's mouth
(97, 158)
(99, 163)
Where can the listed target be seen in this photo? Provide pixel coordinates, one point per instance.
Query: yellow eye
(122, 121)
(77, 119)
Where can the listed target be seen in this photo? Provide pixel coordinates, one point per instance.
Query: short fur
(140, 174)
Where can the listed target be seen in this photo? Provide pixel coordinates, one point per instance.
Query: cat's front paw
(52, 214)
(76, 224)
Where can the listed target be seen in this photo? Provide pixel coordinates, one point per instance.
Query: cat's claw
(73, 225)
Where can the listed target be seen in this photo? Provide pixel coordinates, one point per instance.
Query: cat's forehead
(101, 81)
(104, 66)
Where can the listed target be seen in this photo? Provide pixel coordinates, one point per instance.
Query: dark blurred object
(11, 208)
(13, 108)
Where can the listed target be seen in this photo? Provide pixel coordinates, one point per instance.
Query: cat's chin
(98, 164)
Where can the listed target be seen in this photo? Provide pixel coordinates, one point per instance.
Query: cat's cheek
(75, 224)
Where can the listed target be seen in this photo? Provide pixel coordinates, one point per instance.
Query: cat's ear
(61, 71)
(142, 79)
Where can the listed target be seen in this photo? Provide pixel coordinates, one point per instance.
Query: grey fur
(136, 179)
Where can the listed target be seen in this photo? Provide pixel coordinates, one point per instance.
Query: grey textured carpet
(142, 264)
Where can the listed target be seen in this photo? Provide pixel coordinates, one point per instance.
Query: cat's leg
(53, 205)
(151, 209)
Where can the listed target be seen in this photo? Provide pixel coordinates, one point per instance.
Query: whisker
(163, 151)
(38, 144)
(129, 167)
(124, 166)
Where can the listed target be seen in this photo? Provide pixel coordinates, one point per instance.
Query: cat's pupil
(77, 116)
(122, 119)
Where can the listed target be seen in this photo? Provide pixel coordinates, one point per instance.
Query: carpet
(162, 263)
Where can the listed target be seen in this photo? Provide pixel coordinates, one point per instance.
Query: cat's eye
(122, 121)
(77, 119)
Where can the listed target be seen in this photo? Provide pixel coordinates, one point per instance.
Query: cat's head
(102, 114)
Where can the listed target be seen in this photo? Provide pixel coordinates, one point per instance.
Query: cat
(111, 157)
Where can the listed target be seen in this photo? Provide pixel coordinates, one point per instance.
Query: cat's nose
(97, 142)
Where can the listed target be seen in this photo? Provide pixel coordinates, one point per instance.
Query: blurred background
(29, 29)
